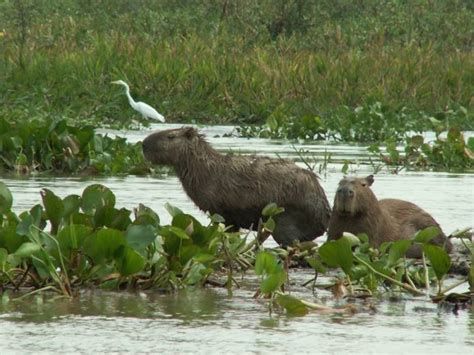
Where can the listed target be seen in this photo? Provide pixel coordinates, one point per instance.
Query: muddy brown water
(211, 320)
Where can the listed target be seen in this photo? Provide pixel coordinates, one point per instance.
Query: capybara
(239, 187)
(357, 210)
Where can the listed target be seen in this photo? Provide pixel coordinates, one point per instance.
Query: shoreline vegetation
(82, 241)
(245, 62)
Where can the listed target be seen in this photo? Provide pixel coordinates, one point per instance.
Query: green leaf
(6, 198)
(273, 282)
(217, 218)
(266, 263)
(128, 261)
(337, 253)
(178, 232)
(103, 245)
(172, 210)
(425, 235)
(71, 204)
(439, 259)
(139, 237)
(272, 210)
(96, 197)
(269, 225)
(27, 249)
(398, 250)
(292, 305)
(196, 274)
(72, 237)
(54, 208)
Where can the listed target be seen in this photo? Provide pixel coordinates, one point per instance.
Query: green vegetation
(450, 153)
(243, 62)
(54, 146)
(85, 241)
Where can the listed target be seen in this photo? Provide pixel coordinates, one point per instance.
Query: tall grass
(223, 61)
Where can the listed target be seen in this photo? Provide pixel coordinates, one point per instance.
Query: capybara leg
(288, 229)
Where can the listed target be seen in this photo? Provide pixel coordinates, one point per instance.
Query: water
(210, 320)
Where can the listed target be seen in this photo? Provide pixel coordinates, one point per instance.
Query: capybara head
(170, 146)
(354, 196)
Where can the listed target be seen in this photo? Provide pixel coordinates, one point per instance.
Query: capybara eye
(171, 136)
(364, 184)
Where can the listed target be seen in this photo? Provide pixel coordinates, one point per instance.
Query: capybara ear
(190, 132)
(370, 180)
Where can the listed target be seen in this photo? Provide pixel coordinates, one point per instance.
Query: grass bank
(234, 62)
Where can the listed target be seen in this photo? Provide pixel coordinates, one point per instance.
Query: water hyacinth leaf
(103, 245)
(95, 197)
(204, 258)
(172, 210)
(128, 261)
(351, 239)
(27, 249)
(273, 282)
(269, 225)
(146, 213)
(272, 210)
(9, 239)
(178, 232)
(337, 253)
(292, 305)
(186, 222)
(71, 204)
(54, 208)
(72, 237)
(398, 250)
(139, 237)
(425, 235)
(265, 263)
(6, 198)
(196, 274)
(439, 259)
(217, 218)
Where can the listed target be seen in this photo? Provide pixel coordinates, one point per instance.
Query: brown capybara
(239, 187)
(357, 210)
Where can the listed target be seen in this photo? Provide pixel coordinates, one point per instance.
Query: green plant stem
(396, 282)
(39, 291)
(425, 268)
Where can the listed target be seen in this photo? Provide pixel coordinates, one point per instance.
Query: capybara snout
(353, 195)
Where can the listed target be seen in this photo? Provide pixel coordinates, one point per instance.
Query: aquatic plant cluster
(67, 243)
(53, 146)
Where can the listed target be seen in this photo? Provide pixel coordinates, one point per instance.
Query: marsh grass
(218, 62)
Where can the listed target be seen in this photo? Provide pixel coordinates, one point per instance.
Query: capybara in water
(239, 187)
(357, 210)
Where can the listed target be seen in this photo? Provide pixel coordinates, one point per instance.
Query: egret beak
(114, 82)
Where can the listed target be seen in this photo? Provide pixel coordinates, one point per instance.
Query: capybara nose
(345, 191)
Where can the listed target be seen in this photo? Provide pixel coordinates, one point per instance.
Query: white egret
(146, 110)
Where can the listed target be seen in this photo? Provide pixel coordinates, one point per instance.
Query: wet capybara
(357, 210)
(239, 187)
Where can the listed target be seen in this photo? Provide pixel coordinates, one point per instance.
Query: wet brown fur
(357, 210)
(239, 187)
